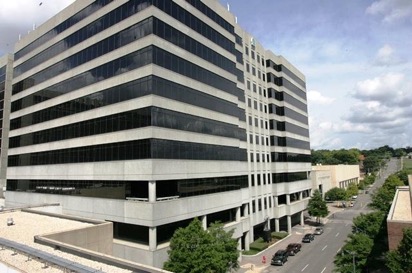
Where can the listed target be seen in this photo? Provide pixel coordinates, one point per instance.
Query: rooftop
(402, 205)
(26, 226)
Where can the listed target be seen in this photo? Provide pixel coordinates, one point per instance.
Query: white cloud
(317, 98)
(386, 56)
(391, 10)
(384, 87)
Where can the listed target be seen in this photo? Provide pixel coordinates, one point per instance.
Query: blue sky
(356, 56)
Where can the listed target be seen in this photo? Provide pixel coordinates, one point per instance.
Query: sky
(356, 56)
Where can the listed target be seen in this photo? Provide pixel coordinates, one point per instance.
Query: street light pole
(353, 253)
(353, 259)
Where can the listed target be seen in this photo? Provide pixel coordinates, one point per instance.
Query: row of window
(280, 81)
(212, 15)
(109, 44)
(134, 89)
(282, 96)
(130, 189)
(190, 20)
(126, 10)
(290, 157)
(289, 142)
(130, 150)
(118, 40)
(3, 73)
(87, 11)
(115, 16)
(149, 116)
(288, 127)
(284, 111)
(289, 177)
(282, 68)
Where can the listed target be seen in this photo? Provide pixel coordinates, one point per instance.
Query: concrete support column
(302, 219)
(152, 238)
(289, 224)
(247, 241)
(246, 210)
(277, 224)
(204, 221)
(238, 214)
(287, 199)
(152, 191)
(276, 201)
(300, 195)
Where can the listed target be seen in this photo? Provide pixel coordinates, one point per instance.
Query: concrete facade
(173, 112)
(6, 74)
(340, 175)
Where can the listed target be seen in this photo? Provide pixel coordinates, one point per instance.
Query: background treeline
(372, 160)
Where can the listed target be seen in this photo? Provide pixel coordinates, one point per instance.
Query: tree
(347, 156)
(352, 189)
(371, 164)
(195, 250)
(403, 175)
(382, 199)
(317, 207)
(336, 194)
(354, 253)
(369, 224)
(400, 260)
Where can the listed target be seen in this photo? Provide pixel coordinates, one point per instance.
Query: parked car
(292, 249)
(280, 257)
(309, 237)
(318, 231)
(354, 197)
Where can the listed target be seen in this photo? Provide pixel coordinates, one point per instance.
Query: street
(318, 256)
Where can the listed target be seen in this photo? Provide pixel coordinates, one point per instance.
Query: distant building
(149, 113)
(400, 214)
(340, 176)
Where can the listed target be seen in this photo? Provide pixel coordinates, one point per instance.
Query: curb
(269, 247)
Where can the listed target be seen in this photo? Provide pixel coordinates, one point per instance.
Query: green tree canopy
(317, 207)
(382, 199)
(357, 247)
(370, 223)
(371, 164)
(400, 260)
(195, 250)
(352, 189)
(326, 157)
(336, 194)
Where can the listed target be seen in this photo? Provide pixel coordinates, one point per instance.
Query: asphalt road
(318, 256)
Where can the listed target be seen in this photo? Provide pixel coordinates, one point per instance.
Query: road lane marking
(337, 234)
(323, 270)
(324, 247)
(304, 268)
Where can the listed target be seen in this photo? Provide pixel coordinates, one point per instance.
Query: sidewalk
(254, 264)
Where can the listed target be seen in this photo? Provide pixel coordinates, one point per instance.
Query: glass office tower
(149, 113)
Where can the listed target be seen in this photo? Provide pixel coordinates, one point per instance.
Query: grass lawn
(407, 164)
(259, 245)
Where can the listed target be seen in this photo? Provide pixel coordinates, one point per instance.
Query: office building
(6, 74)
(149, 113)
